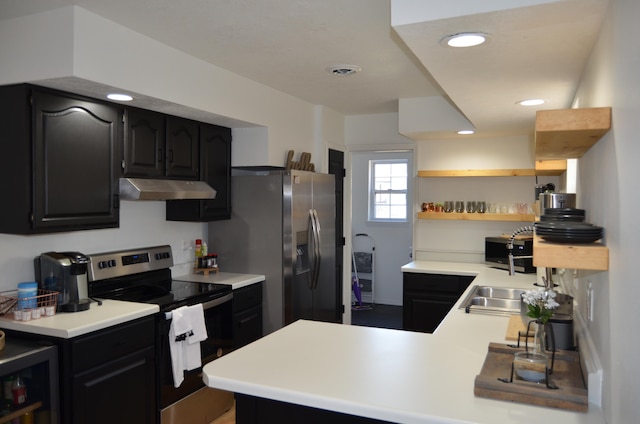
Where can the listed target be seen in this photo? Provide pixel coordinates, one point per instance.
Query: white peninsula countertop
(391, 375)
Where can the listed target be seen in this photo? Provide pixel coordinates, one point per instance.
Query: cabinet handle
(170, 156)
(248, 319)
(160, 156)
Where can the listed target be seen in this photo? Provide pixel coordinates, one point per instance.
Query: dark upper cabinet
(215, 170)
(59, 167)
(144, 143)
(159, 146)
(182, 148)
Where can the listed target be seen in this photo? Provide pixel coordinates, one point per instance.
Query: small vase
(539, 338)
(531, 365)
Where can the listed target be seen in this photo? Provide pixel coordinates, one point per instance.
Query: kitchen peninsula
(347, 372)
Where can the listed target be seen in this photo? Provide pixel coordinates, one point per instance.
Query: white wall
(463, 241)
(607, 182)
(73, 46)
(366, 136)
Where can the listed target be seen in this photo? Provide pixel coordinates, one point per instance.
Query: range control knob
(112, 263)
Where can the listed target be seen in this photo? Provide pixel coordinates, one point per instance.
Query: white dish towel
(186, 332)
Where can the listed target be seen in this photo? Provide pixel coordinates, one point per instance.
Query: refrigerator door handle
(315, 246)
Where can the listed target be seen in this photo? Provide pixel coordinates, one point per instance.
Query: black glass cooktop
(158, 288)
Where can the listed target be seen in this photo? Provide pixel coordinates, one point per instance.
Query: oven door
(218, 317)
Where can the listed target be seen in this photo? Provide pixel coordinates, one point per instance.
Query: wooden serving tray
(567, 375)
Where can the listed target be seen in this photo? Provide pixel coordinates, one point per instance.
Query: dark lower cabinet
(59, 162)
(108, 376)
(255, 410)
(119, 391)
(111, 375)
(247, 315)
(428, 298)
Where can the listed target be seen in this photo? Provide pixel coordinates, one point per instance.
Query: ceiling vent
(343, 70)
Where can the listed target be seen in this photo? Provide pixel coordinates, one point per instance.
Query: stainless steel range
(144, 275)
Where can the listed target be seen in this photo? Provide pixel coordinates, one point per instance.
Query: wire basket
(26, 308)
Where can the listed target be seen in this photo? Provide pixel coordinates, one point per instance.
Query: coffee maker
(66, 273)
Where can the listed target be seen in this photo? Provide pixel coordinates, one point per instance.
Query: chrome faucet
(526, 229)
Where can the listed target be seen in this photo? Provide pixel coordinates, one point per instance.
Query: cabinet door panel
(144, 143)
(182, 148)
(426, 314)
(74, 157)
(121, 391)
(215, 162)
(215, 170)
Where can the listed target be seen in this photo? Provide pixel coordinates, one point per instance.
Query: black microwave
(496, 254)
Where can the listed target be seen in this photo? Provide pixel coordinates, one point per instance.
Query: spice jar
(19, 390)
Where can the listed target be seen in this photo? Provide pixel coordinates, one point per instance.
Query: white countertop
(112, 312)
(236, 281)
(72, 324)
(393, 375)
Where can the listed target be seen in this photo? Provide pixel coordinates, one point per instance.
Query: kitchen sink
(492, 300)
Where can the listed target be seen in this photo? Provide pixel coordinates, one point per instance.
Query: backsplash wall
(141, 224)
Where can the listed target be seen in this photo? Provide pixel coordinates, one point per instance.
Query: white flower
(539, 303)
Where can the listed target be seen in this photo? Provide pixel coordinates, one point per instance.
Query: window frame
(371, 209)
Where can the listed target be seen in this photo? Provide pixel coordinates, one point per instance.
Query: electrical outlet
(590, 301)
(186, 245)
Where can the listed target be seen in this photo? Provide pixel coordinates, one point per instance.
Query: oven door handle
(207, 305)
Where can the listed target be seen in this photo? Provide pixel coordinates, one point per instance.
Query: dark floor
(384, 316)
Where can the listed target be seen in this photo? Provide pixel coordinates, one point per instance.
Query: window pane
(382, 212)
(398, 199)
(383, 170)
(383, 184)
(399, 183)
(382, 199)
(399, 169)
(398, 212)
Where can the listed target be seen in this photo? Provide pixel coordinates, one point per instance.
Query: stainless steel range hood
(150, 189)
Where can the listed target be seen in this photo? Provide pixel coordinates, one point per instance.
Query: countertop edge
(235, 280)
(65, 325)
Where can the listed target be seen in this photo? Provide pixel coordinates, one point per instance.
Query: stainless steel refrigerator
(283, 226)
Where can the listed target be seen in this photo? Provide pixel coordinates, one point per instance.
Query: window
(388, 190)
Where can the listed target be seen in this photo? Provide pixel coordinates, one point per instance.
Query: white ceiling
(536, 51)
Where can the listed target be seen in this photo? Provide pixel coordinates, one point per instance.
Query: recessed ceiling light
(466, 132)
(465, 39)
(531, 102)
(119, 97)
(343, 70)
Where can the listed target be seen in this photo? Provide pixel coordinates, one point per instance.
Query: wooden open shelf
(547, 168)
(592, 256)
(550, 168)
(569, 133)
(477, 173)
(464, 216)
(17, 413)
